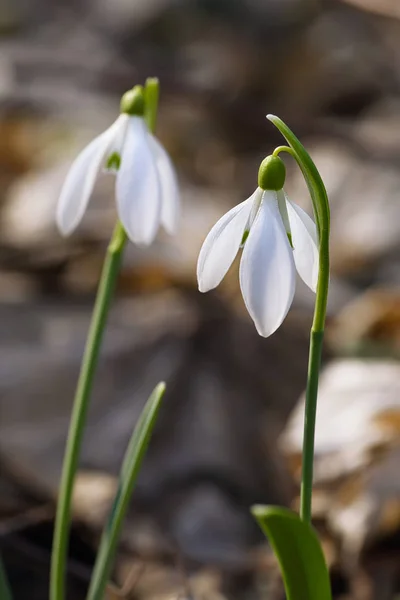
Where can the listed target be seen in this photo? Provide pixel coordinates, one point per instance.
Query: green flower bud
(132, 102)
(272, 173)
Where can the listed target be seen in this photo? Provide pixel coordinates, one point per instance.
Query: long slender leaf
(5, 590)
(298, 551)
(129, 471)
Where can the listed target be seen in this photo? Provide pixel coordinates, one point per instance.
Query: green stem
(5, 590)
(314, 361)
(80, 408)
(310, 412)
(85, 383)
(151, 95)
(280, 149)
(322, 217)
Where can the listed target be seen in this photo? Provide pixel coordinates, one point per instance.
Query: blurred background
(230, 428)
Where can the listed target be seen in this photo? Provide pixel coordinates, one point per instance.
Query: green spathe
(272, 173)
(299, 552)
(132, 102)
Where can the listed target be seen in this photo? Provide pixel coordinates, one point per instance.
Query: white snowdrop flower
(277, 237)
(147, 193)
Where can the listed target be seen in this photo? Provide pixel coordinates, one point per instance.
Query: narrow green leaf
(129, 471)
(5, 590)
(298, 551)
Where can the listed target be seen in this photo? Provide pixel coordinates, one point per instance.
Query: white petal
(305, 244)
(267, 271)
(170, 204)
(221, 246)
(138, 187)
(118, 141)
(257, 199)
(282, 201)
(80, 180)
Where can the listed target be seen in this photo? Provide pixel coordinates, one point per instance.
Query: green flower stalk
(80, 409)
(293, 539)
(322, 217)
(128, 147)
(278, 238)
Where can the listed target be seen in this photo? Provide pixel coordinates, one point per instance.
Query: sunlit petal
(170, 204)
(305, 244)
(267, 271)
(221, 246)
(256, 203)
(115, 150)
(119, 138)
(138, 187)
(78, 185)
(282, 201)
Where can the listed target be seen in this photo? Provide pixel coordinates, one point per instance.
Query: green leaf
(5, 590)
(297, 548)
(129, 471)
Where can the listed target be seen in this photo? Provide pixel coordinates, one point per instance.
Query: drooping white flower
(147, 193)
(277, 237)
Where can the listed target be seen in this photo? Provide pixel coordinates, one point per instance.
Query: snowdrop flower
(146, 186)
(277, 237)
